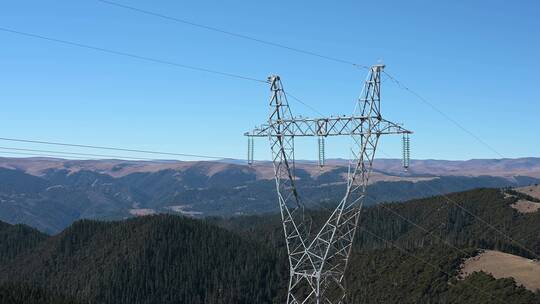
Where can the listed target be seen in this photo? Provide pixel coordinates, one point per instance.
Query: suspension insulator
(321, 151)
(406, 151)
(250, 150)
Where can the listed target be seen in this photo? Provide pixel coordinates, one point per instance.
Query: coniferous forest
(171, 259)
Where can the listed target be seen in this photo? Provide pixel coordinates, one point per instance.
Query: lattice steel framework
(318, 260)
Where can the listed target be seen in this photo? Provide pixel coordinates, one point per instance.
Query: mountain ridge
(51, 194)
(507, 167)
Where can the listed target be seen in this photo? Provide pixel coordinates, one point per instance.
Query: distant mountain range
(507, 167)
(49, 194)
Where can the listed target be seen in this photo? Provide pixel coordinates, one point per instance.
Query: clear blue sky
(478, 61)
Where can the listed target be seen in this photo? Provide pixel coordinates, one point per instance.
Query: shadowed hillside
(16, 240)
(161, 259)
(26, 294)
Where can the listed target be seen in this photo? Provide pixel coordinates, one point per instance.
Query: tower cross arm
(332, 126)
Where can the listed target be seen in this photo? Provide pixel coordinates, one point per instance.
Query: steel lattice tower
(318, 260)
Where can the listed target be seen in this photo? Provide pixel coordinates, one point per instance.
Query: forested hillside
(426, 275)
(16, 240)
(441, 216)
(18, 293)
(160, 259)
(410, 252)
(443, 219)
(169, 259)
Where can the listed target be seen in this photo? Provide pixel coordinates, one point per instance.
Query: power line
(288, 94)
(97, 147)
(79, 154)
(131, 55)
(110, 51)
(145, 58)
(41, 155)
(233, 34)
(446, 116)
(111, 148)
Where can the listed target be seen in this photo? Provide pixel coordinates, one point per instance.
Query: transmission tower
(318, 259)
